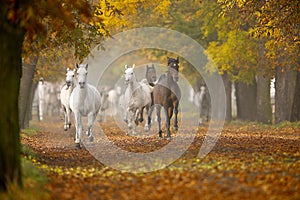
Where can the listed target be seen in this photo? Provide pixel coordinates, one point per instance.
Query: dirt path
(248, 162)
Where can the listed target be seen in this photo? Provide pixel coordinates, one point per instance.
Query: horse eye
(131, 73)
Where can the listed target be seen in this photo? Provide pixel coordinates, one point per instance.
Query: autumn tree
(25, 28)
(277, 24)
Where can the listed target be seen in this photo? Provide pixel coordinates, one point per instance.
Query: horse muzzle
(82, 84)
(68, 83)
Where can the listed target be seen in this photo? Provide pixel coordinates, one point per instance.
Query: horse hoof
(91, 138)
(69, 126)
(65, 129)
(169, 138)
(77, 146)
(141, 120)
(175, 128)
(87, 133)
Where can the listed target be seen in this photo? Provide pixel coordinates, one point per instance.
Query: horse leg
(66, 119)
(78, 130)
(175, 116)
(149, 116)
(141, 115)
(147, 128)
(169, 113)
(129, 118)
(68, 111)
(200, 123)
(158, 108)
(91, 119)
(136, 120)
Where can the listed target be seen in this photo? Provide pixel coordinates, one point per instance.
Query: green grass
(34, 182)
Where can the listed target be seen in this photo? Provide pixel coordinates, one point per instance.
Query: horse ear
(77, 65)
(68, 69)
(86, 66)
(133, 66)
(177, 59)
(126, 66)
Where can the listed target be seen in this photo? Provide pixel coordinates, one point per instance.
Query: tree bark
(264, 110)
(295, 116)
(26, 87)
(284, 95)
(11, 39)
(246, 101)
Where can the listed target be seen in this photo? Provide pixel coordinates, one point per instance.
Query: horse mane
(162, 77)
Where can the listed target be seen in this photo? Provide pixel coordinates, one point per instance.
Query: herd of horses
(83, 99)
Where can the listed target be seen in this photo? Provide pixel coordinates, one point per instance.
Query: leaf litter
(247, 162)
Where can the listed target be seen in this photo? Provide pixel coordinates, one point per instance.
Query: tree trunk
(246, 101)
(26, 87)
(11, 39)
(227, 85)
(264, 110)
(284, 94)
(295, 116)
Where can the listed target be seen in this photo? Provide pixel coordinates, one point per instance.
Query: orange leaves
(249, 161)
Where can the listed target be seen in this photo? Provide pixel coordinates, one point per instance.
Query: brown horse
(166, 94)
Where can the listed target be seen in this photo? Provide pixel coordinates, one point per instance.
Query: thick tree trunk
(227, 85)
(26, 87)
(11, 39)
(264, 110)
(295, 116)
(284, 95)
(246, 101)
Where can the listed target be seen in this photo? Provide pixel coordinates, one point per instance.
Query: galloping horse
(65, 94)
(151, 75)
(167, 94)
(84, 101)
(137, 97)
(202, 101)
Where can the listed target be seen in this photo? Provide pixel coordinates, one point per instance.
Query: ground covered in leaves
(249, 161)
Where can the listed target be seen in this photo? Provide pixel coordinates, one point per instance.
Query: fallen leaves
(247, 162)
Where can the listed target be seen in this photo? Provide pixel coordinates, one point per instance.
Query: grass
(34, 185)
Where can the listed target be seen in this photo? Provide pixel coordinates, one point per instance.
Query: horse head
(173, 68)
(70, 76)
(82, 74)
(150, 74)
(129, 73)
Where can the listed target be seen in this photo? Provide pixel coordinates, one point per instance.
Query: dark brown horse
(166, 94)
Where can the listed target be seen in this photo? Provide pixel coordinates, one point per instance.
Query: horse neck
(133, 84)
(82, 93)
(169, 77)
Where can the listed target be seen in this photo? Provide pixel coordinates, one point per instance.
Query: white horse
(84, 101)
(65, 94)
(113, 99)
(41, 98)
(137, 97)
(201, 99)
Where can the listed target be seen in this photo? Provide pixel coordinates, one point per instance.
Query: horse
(40, 91)
(167, 94)
(84, 101)
(113, 99)
(151, 75)
(202, 100)
(52, 100)
(104, 105)
(65, 94)
(137, 97)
